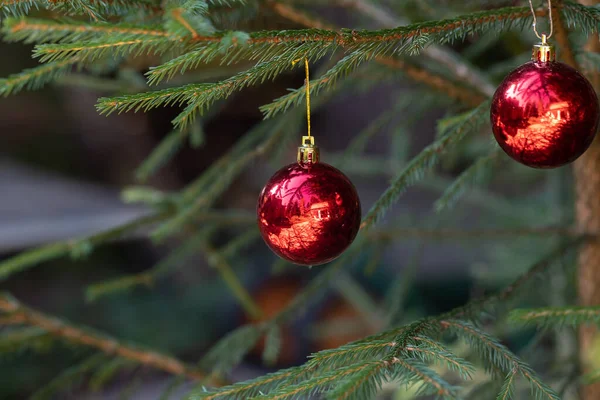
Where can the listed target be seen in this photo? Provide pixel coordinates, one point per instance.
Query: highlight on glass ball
(545, 114)
(308, 212)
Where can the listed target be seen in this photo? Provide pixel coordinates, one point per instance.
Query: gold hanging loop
(308, 153)
(542, 37)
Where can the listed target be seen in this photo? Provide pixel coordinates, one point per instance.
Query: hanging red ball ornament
(308, 212)
(545, 114)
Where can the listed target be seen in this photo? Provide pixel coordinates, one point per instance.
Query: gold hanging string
(543, 37)
(307, 84)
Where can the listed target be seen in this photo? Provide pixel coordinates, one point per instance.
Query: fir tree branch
(434, 81)
(34, 30)
(558, 316)
(507, 390)
(68, 376)
(217, 261)
(421, 75)
(562, 36)
(477, 172)
(36, 78)
(90, 338)
(422, 163)
(36, 256)
(95, 9)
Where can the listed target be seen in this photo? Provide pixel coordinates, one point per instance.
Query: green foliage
(69, 377)
(421, 164)
(477, 173)
(229, 351)
(99, 36)
(557, 316)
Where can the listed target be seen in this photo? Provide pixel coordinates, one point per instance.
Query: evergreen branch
(541, 266)
(437, 354)
(149, 277)
(585, 18)
(93, 50)
(90, 338)
(436, 82)
(217, 261)
(499, 356)
(562, 37)
(161, 154)
(107, 371)
(317, 384)
(421, 75)
(432, 383)
(558, 316)
(36, 256)
(69, 376)
(95, 9)
(422, 163)
(24, 338)
(33, 30)
(36, 78)
(230, 350)
(350, 353)
(272, 345)
(476, 173)
(507, 390)
(362, 385)
(247, 389)
(211, 184)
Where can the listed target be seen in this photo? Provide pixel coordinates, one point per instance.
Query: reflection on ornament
(309, 212)
(545, 114)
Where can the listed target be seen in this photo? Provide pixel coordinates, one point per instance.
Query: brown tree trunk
(587, 186)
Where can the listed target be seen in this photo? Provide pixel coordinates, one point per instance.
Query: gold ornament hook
(543, 37)
(307, 152)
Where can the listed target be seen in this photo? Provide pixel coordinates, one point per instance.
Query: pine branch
(362, 385)
(36, 78)
(68, 377)
(36, 256)
(422, 163)
(507, 390)
(147, 278)
(421, 75)
(230, 350)
(432, 383)
(90, 338)
(34, 30)
(247, 389)
(478, 172)
(436, 82)
(562, 37)
(558, 316)
(499, 356)
(217, 261)
(435, 353)
(585, 18)
(272, 345)
(107, 371)
(21, 339)
(95, 9)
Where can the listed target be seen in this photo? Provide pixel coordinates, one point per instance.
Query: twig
(176, 13)
(90, 338)
(562, 37)
(437, 82)
(442, 55)
(217, 261)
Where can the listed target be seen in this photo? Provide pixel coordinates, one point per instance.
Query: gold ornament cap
(308, 153)
(543, 51)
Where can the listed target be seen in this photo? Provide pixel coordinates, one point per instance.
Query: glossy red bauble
(308, 214)
(545, 114)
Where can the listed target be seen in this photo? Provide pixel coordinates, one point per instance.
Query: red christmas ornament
(545, 114)
(308, 212)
